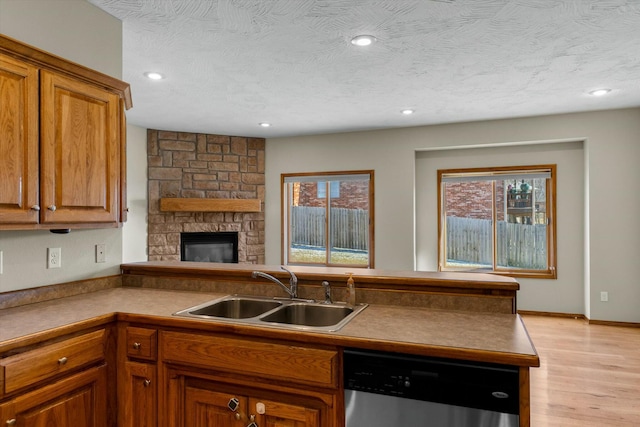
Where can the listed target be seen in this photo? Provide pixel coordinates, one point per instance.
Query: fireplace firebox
(209, 247)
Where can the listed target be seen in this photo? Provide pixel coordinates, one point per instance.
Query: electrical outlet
(101, 252)
(604, 296)
(54, 258)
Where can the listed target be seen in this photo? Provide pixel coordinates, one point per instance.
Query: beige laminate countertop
(369, 275)
(500, 338)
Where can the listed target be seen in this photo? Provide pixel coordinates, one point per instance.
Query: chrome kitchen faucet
(292, 289)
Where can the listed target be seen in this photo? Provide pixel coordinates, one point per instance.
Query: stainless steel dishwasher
(389, 390)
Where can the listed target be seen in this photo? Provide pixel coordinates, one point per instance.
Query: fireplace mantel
(209, 205)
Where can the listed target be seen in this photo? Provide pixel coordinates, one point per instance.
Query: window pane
(307, 224)
(521, 224)
(349, 224)
(322, 189)
(332, 230)
(469, 232)
(498, 219)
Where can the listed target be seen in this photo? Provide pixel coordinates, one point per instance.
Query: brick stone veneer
(195, 165)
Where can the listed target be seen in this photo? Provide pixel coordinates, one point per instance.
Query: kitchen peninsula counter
(499, 338)
(144, 307)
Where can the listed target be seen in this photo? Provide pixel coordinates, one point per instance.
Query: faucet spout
(291, 290)
(327, 292)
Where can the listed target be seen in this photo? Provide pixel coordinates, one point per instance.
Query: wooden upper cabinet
(62, 142)
(80, 149)
(18, 142)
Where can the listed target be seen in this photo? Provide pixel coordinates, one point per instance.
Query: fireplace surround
(204, 166)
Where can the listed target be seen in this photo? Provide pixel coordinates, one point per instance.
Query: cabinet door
(78, 401)
(18, 142)
(80, 151)
(280, 414)
(138, 396)
(207, 408)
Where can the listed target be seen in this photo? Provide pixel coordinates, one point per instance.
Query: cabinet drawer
(24, 369)
(142, 343)
(281, 362)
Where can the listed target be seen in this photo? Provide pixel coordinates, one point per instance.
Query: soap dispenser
(351, 291)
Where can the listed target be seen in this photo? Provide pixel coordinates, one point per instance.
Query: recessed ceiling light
(599, 92)
(363, 40)
(265, 124)
(408, 111)
(154, 75)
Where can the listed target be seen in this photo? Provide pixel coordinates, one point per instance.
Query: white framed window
(334, 231)
(500, 220)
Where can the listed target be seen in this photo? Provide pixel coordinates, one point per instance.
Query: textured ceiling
(230, 64)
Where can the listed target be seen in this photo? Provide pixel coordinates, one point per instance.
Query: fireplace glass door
(209, 247)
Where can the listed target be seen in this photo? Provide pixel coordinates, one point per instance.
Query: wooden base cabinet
(220, 381)
(137, 376)
(62, 383)
(213, 404)
(206, 408)
(213, 409)
(79, 401)
(283, 414)
(139, 396)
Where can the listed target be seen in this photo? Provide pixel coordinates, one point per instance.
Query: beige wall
(73, 29)
(569, 158)
(76, 30)
(611, 149)
(134, 231)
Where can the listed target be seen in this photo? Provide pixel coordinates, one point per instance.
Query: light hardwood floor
(589, 374)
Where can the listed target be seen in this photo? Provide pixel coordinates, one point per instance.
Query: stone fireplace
(201, 166)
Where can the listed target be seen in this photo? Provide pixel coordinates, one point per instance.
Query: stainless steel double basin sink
(284, 313)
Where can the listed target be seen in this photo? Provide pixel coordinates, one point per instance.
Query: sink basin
(282, 313)
(234, 307)
(309, 314)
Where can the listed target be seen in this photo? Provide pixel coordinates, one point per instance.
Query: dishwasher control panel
(470, 384)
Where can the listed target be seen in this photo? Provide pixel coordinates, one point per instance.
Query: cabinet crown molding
(46, 60)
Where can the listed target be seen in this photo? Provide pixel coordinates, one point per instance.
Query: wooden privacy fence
(349, 227)
(518, 245)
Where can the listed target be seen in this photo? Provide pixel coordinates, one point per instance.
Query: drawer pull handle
(137, 346)
(62, 361)
(52, 208)
(35, 208)
(147, 382)
(11, 422)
